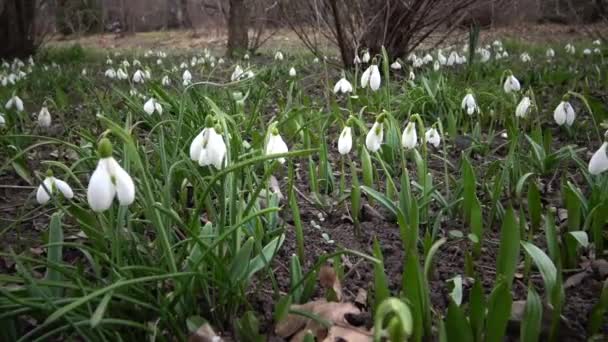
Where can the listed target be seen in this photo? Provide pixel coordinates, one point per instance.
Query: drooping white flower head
(343, 86)
(441, 58)
(51, 186)
(2, 120)
(275, 144)
(597, 50)
(597, 42)
(139, 76)
(550, 53)
(109, 180)
(522, 109)
(453, 58)
(432, 137)
(570, 49)
(427, 58)
(83, 72)
(278, 56)
(345, 141)
(587, 52)
(121, 74)
(237, 73)
(375, 136)
(357, 60)
(110, 73)
(469, 104)
(166, 81)
(208, 147)
(564, 113)
(371, 77)
(411, 76)
(292, 72)
(396, 65)
(525, 57)
(511, 83)
(14, 102)
(409, 138)
(366, 57)
(152, 106)
(485, 55)
(436, 66)
(186, 78)
(44, 118)
(599, 161)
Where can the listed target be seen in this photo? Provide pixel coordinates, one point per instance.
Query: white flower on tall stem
(186, 78)
(208, 147)
(411, 76)
(345, 141)
(587, 52)
(523, 108)
(570, 49)
(550, 53)
(109, 180)
(511, 83)
(396, 65)
(372, 77)
(275, 143)
(343, 86)
(356, 60)
(436, 66)
(2, 120)
(427, 58)
(597, 42)
(237, 73)
(14, 102)
(366, 57)
(409, 138)
(599, 161)
(564, 113)
(139, 76)
(152, 106)
(121, 74)
(166, 81)
(469, 104)
(51, 186)
(44, 117)
(432, 137)
(525, 57)
(292, 72)
(453, 58)
(375, 136)
(110, 73)
(441, 58)
(278, 56)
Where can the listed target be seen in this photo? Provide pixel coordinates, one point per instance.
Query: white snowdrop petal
(197, 146)
(43, 195)
(101, 190)
(599, 160)
(64, 188)
(125, 188)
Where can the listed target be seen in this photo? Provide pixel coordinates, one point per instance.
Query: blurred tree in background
(18, 32)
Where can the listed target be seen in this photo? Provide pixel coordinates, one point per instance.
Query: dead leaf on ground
(205, 333)
(329, 280)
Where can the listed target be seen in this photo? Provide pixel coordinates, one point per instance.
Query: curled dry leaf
(329, 280)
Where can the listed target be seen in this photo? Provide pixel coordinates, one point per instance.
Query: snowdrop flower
(44, 118)
(220, 61)
(126, 64)
(292, 72)
(343, 86)
(587, 52)
(550, 53)
(505, 54)
(345, 141)
(316, 60)
(15, 102)
(432, 137)
(51, 186)
(166, 81)
(485, 55)
(356, 60)
(83, 72)
(441, 58)
(396, 65)
(412, 57)
(366, 57)
(278, 56)
(511, 83)
(147, 73)
(246, 57)
(427, 58)
(375, 136)
(152, 106)
(522, 109)
(599, 160)
(110, 73)
(597, 51)
(208, 147)
(570, 49)
(187, 78)
(275, 144)
(469, 104)
(411, 76)
(409, 138)
(109, 180)
(237, 73)
(564, 113)
(2, 120)
(139, 76)
(122, 75)
(436, 66)
(109, 61)
(372, 77)
(525, 57)
(453, 58)
(184, 65)
(597, 42)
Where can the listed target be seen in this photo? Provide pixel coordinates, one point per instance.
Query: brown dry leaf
(293, 323)
(575, 279)
(361, 299)
(340, 333)
(204, 333)
(329, 280)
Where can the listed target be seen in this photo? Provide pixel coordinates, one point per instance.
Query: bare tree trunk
(238, 28)
(345, 51)
(17, 28)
